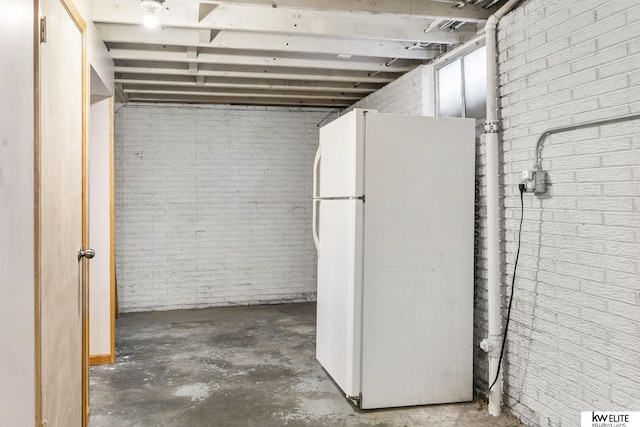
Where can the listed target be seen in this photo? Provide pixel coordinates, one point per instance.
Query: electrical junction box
(535, 181)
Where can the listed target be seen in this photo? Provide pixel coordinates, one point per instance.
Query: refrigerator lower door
(338, 335)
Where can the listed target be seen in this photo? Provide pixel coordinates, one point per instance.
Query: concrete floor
(238, 366)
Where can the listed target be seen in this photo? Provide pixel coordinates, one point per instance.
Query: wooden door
(60, 215)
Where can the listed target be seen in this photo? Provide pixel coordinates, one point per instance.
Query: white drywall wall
(17, 363)
(99, 227)
(97, 54)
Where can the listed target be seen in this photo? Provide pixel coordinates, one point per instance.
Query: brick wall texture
(574, 340)
(213, 205)
(402, 96)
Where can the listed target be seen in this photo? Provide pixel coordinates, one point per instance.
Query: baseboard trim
(100, 359)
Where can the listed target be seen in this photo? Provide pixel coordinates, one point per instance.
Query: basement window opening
(461, 86)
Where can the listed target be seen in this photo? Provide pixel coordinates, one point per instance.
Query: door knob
(87, 253)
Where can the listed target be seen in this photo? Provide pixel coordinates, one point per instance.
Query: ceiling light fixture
(151, 7)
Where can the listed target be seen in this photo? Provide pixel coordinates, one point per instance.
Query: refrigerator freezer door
(338, 334)
(341, 156)
(418, 261)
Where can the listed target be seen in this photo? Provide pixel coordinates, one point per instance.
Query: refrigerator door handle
(314, 226)
(316, 163)
(314, 219)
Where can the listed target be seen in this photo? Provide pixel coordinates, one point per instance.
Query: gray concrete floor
(238, 366)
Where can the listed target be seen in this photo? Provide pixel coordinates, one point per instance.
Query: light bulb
(150, 19)
(150, 7)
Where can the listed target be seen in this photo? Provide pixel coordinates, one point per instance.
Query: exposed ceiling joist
(278, 52)
(270, 20)
(130, 52)
(171, 36)
(437, 9)
(230, 82)
(188, 99)
(254, 72)
(200, 91)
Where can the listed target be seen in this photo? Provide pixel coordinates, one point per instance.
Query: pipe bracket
(491, 346)
(491, 127)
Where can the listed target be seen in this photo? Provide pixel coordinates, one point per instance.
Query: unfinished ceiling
(278, 52)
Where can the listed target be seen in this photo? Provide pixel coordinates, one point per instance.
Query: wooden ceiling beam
(286, 21)
(190, 55)
(435, 9)
(235, 93)
(230, 82)
(186, 99)
(254, 72)
(236, 40)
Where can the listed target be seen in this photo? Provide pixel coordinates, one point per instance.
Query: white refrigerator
(393, 223)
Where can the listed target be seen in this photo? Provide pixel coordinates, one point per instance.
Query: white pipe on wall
(493, 343)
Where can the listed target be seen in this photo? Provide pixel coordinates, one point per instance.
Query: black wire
(513, 283)
(334, 111)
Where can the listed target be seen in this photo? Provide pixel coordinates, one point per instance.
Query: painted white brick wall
(574, 339)
(405, 95)
(213, 205)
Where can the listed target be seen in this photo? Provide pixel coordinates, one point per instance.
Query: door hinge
(43, 29)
